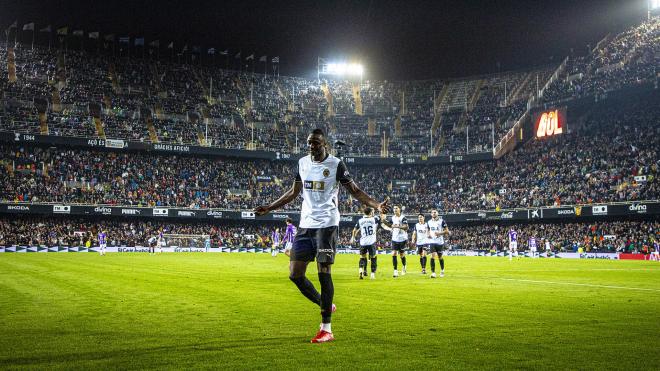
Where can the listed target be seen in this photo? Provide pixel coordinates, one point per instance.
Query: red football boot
(323, 337)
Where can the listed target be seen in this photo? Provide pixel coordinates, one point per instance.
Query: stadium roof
(396, 40)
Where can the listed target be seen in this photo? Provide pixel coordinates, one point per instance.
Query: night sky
(394, 39)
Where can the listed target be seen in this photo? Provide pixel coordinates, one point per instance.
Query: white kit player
(398, 224)
(367, 226)
(420, 240)
(437, 232)
(533, 248)
(547, 246)
(318, 179)
(513, 243)
(103, 240)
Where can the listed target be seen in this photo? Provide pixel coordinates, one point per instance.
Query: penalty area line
(581, 284)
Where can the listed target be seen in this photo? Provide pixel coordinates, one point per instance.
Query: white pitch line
(582, 284)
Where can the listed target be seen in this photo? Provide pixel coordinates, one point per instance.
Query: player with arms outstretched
(318, 177)
(437, 232)
(367, 226)
(398, 224)
(420, 239)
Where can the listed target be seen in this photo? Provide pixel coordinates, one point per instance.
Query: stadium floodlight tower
(653, 7)
(340, 69)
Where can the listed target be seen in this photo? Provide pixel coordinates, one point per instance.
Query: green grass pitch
(240, 311)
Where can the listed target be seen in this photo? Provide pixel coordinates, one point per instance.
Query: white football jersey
(438, 225)
(422, 233)
(368, 228)
(320, 190)
(398, 234)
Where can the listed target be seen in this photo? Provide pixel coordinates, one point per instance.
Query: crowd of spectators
(626, 59)
(611, 156)
(607, 236)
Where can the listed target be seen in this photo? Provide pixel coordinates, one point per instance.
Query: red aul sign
(549, 123)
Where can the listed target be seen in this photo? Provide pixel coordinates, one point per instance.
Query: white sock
(326, 327)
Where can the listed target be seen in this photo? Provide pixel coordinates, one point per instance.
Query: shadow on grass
(137, 352)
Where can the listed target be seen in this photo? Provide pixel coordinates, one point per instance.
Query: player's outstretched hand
(384, 206)
(261, 210)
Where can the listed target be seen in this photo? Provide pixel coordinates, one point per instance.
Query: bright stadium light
(354, 69)
(339, 69)
(653, 6)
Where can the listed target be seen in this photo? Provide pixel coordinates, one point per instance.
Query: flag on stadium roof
(124, 39)
(262, 59)
(225, 52)
(211, 51)
(110, 37)
(249, 57)
(276, 60)
(155, 43)
(94, 35)
(170, 45)
(13, 25)
(185, 48)
(196, 49)
(28, 26)
(63, 31)
(46, 29)
(139, 41)
(78, 33)
(238, 55)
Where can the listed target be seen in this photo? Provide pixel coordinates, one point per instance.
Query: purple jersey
(290, 233)
(276, 237)
(102, 238)
(532, 242)
(513, 236)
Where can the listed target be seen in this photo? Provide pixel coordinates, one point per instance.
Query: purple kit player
(276, 240)
(533, 248)
(289, 235)
(102, 242)
(513, 243)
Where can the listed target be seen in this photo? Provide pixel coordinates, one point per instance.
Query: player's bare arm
(287, 197)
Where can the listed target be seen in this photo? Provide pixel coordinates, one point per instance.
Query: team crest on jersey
(326, 172)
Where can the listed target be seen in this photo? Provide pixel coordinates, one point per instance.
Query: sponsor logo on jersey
(326, 172)
(314, 186)
(214, 213)
(61, 209)
(18, 207)
(103, 210)
(599, 210)
(639, 208)
(131, 212)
